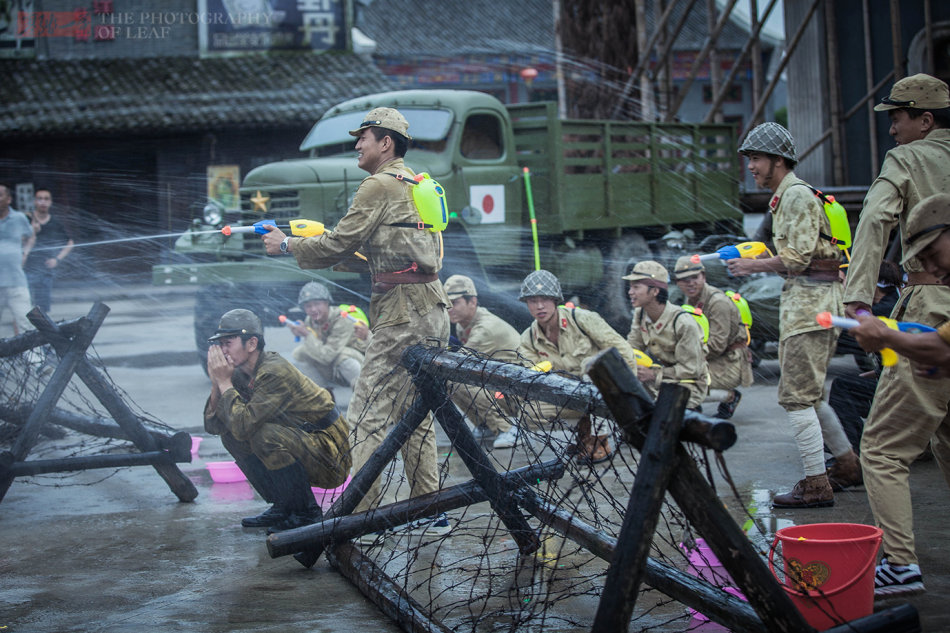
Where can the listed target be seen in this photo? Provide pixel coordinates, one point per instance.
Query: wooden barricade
(71, 340)
(657, 430)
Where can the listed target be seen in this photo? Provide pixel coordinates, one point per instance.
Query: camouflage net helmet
(313, 291)
(770, 138)
(541, 283)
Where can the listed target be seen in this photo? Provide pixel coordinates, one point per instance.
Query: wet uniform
(907, 411)
(282, 417)
(408, 306)
(727, 347)
(490, 336)
(332, 350)
(675, 343)
(583, 334)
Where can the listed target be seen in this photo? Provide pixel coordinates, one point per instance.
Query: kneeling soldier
(283, 430)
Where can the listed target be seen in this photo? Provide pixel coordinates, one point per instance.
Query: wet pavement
(114, 550)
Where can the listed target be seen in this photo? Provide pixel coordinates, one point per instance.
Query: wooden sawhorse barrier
(656, 430)
(71, 340)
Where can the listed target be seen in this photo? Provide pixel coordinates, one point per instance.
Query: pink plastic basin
(225, 472)
(326, 496)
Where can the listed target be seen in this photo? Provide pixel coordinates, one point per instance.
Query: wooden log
(10, 428)
(90, 462)
(725, 609)
(72, 353)
(402, 512)
(93, 425)
(902, 618)
(177, 481)
(702, 508)
(471, 452)
(33, 338)
(655, 469)
(363, 479)
(521, 382)
(382, 590)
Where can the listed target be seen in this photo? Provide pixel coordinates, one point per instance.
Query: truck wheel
(615, 305)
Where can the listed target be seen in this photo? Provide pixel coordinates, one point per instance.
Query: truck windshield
(424, 125)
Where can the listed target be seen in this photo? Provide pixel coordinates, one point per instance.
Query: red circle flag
(488, 204)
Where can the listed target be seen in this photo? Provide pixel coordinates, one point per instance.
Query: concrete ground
(114, 551)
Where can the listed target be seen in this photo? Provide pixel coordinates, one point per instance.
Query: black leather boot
(260, 478)
(294, 495)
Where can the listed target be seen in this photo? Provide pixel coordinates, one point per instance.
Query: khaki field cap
(920, 91)
(651, 272)
(460, 286)
(236, 323)
(927, 220)
(313, 291)
(388, 118)
(685, 267)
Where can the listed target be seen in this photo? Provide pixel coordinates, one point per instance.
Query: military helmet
(541, 283)
(770, 138)
(238, 322)
(313, 291)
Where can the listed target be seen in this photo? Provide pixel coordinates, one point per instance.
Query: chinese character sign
(232, 26)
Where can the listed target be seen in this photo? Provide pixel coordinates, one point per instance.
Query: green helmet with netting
(770, 138)
(313, 291)
(541, 283)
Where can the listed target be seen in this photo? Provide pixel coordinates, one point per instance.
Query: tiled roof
(46, 98)
(446, 28)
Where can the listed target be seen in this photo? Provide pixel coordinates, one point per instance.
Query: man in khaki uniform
(811, 264)
(906, 411)
(331, 348)
(568, 339)
(727, 348)
(482, 331)
(667, 333)
(282, 429)
(408, 304)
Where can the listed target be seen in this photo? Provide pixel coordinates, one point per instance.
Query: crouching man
(283, 431)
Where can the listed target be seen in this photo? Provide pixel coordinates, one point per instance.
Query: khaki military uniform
(490, 336)
(675, 343)
(583, 334)
(727, 354)
(805, 348)
(401, 314)
(282, 417)
(907, 411)
(332, 351)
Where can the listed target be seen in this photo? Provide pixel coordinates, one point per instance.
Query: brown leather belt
(384, 282)
(821, 270)
(922, 278)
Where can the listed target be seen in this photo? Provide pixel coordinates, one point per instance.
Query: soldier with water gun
(727, 346)
(906, 411)
(668, 333)
(331, 346)
(407, 306)
(566, 339)
(808, 245)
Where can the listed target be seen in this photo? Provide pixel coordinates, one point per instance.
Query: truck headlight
(212, 214)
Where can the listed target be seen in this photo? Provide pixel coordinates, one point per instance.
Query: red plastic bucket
(829, 570)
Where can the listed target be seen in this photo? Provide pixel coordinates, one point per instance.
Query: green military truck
(603, 192)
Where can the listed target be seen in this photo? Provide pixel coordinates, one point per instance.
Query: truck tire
(615, 304)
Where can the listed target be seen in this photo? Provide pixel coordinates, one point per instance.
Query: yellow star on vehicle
(260, 201)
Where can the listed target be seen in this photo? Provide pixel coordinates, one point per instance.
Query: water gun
(288, 322)
(298, 228)
(353, 313)
(746, 250)
(888, 356)
(642, 359)
(544, 366)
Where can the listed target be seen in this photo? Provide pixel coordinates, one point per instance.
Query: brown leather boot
(601, 449)
(845, 472)
(811, 492)
(582, 441)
